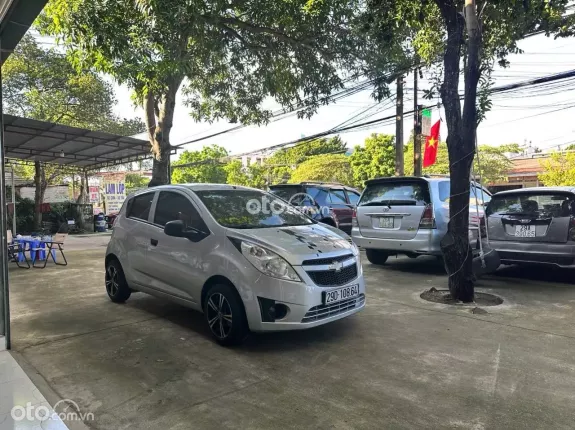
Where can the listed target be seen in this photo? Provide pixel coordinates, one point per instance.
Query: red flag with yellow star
(430, 151)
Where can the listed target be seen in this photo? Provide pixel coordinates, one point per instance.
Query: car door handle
(154, 242)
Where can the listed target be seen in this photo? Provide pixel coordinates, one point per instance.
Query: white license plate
(340, 294)
(386, 222)
(524, 231)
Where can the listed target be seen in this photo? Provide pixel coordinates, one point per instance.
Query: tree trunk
(159, 120)
(40, 184)
(460, 143)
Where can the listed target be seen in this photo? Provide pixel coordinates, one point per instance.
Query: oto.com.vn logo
(302, 202)
(64, 410)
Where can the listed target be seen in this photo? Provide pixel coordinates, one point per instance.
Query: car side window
(139, 206)
(337, 197)
(175, 206)
(319, 195)
(353, 197)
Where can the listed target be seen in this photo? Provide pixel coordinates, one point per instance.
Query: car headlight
(268, 262)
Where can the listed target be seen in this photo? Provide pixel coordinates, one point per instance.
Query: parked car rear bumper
(511, 252)
(425, 242)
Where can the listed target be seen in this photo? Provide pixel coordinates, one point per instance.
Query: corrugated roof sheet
(29, 139)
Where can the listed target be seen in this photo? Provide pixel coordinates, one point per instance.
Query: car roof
(197, 187)
(438, 178)
(536, 189)
(315, 184)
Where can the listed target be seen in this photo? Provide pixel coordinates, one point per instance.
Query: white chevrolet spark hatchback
(243, 257)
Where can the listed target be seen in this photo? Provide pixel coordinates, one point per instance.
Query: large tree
(42, 84)
(461, 37)
(230, 56)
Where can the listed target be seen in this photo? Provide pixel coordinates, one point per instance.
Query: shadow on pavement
(537, 273)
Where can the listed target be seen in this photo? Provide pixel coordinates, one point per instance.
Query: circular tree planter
(444, 297)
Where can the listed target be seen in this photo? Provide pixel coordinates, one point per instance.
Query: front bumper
(510, 252)
(304, 300)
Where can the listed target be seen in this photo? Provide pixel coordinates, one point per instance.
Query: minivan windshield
(399, 193)
(538, 204)
(248, 209)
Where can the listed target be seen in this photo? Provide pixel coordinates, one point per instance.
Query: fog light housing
(572, 233)
(271, 311)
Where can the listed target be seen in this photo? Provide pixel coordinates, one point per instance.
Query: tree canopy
(558, 170)
(42, 84)
(325, 168)
(282, 164)
(230, 56)
(206, 166)
(374, 159)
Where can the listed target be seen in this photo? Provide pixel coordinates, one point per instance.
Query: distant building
(523, 174)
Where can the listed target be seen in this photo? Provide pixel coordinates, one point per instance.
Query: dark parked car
(533, 225)
(329, 203)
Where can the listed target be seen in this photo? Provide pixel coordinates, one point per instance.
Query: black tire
(116, 285)
(227, 328)
(375, 256)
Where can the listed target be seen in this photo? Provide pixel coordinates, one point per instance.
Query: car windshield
(404, 193)
(248, 209)
(539, 204)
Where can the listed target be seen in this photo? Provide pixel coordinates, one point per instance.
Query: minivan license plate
(386, 222)
(340, 294)
(524, 231)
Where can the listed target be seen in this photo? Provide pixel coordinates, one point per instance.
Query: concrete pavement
(401, 363)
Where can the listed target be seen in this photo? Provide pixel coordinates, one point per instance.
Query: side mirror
(174, 228)
(177, 228)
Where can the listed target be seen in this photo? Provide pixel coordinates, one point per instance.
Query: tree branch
(224, 23)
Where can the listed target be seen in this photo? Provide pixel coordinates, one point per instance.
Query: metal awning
(30, 140)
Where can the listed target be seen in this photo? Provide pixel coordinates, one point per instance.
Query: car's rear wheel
(375, 256)
(225, 315)
(116, 285)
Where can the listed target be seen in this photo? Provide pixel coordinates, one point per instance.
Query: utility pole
(416, 128)
(399, 129)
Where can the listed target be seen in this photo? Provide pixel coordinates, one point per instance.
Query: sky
(544, 120)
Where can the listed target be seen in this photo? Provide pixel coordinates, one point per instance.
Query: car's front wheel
(225, 315)
(375, 256)
(116, 285)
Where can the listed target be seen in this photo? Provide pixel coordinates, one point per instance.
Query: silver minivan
(409, 215)
(244, 257)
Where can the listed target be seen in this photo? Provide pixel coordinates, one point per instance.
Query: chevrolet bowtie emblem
(336, 265)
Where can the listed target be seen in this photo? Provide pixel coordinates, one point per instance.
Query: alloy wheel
(219, 315)
(112, 284)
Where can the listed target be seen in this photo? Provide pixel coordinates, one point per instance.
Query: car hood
(300, 243)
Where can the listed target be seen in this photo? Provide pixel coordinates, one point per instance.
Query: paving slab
(401, 363)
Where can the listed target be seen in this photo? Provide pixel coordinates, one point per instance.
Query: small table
(36, 246)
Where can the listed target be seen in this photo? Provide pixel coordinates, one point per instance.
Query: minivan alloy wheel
(219, 315)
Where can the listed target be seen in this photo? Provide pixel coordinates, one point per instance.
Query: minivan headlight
(268, 262)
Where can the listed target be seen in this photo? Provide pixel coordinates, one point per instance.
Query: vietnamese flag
(430, 152)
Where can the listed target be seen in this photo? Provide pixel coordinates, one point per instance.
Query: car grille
(538, 258)
(325, 311)
(321, 261)
(329, 278)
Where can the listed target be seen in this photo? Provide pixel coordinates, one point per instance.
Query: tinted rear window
(399, 193)
(286, 193)
(544, 204)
